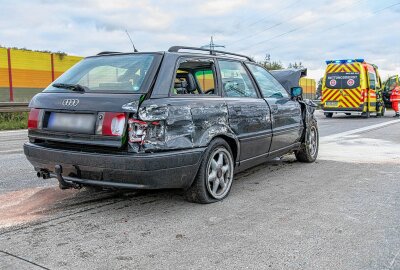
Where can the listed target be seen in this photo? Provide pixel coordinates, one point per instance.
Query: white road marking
(21, 131)
(334, 137)
(16, 150)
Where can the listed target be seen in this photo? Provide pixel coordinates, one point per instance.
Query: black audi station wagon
(187, 118)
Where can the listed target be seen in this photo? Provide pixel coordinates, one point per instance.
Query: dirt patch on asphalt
(28, 205)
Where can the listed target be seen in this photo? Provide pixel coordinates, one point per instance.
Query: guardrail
(14, 107)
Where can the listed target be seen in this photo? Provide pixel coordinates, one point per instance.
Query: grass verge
(13, 120)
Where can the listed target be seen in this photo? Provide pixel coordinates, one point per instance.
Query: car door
(285, 112)
(390, 84)
(248, 113)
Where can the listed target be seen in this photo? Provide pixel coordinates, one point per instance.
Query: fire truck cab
(353, 87)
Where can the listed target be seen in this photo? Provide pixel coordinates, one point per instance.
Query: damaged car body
(187, 118)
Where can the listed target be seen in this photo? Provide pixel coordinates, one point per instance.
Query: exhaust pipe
(63, 184)
(43, 174)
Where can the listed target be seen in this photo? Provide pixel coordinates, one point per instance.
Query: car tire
(347, 114)
(328, 115)
(216, 168)
(308, 151)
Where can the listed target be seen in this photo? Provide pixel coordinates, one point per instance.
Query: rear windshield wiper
(73, 87)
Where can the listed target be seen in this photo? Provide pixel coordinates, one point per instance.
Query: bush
(14, 120)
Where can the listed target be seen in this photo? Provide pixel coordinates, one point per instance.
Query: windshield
(342, 80)
(117, 73)
(390, 84)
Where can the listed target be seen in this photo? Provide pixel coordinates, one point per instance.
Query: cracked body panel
(186, 124)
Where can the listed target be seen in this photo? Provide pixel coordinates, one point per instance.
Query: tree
(295, 65)
(274, 65)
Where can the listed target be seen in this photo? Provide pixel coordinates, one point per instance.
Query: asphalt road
(341, 212)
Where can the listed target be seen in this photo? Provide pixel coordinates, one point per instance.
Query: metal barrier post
(52, 67)
(10, 74)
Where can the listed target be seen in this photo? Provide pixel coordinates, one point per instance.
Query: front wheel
(214, 178)
(308, 151)
(328, 115)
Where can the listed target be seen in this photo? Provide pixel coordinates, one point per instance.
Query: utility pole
(267, 57)
(212, 45)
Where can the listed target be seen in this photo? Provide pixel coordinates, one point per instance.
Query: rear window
(118, 73)
(342, 80)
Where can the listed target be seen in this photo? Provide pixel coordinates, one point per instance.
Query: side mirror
(296, 92)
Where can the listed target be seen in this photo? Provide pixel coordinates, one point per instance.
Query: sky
(306, 31)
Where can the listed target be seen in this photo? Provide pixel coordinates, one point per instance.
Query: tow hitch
(62, 182)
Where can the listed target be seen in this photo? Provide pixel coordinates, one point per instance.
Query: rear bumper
(173, 169)
(344, 110)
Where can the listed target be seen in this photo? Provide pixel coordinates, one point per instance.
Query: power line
(244, 22)
(295, 29)
(295, 3)
(325, 29)
(270, 27)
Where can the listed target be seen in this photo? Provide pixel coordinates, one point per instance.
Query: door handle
(274, 108)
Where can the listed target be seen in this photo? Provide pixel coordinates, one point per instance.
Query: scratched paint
(183, 126)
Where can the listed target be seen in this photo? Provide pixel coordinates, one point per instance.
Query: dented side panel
(186, 122)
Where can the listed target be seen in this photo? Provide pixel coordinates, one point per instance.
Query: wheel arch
(233, 143)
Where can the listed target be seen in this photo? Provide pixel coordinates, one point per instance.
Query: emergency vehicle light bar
(344, 61)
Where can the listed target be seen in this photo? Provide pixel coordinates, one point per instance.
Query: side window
(372, 80)
(195, 76)
(235, 80)
(269, 86)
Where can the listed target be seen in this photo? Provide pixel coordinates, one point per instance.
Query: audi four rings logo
(70, 102)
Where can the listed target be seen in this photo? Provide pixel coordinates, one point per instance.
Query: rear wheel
(347, 114)
(309, 148)
(328, 115)
(214, 178)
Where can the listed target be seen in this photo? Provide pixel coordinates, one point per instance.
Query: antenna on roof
(129, 36)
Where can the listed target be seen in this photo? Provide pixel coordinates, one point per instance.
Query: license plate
(331, 104)
(72, 122)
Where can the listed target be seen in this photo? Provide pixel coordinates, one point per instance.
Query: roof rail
(106, 52)
(212, 52)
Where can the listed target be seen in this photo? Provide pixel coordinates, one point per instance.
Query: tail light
(33, 119)
(111, 124)
(139, 131)
(363, 95)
